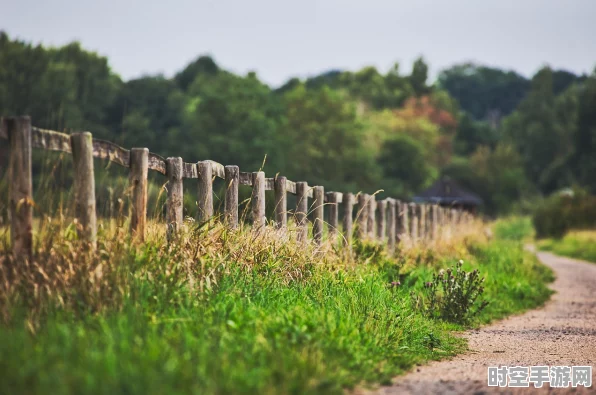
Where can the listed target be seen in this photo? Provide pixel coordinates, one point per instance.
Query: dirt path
(562, 333)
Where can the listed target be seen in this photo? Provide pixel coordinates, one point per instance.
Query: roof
(447, 191)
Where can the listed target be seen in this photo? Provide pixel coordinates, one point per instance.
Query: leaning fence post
(301, 210)
(281, 202)
(20, 185)
(318, 213)
(205, 193)
(381, 216)
(139, 162)
(232, 179)
(391, 224)
(175, 202)
(84, 185)
(333, 216)
(258, 199)
(362, 215)
(348, 202)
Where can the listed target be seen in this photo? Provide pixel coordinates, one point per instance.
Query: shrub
(564, 211)
(452, 295)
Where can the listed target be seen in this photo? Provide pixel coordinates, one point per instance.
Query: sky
(280, 39)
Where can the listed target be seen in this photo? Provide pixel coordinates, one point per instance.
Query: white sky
(280, 39)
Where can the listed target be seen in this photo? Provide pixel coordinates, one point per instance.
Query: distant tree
(419, 76)
(584, 159)
(202, 65)
(481, 90)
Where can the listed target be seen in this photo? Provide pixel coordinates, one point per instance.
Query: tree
(419, 76)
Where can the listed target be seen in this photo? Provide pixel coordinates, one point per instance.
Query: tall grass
(575, 244)
(223, 311)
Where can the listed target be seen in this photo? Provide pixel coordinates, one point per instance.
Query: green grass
(262, 329)
(514, 228)
(578, 244)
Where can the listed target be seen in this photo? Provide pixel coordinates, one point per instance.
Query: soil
(561, 333)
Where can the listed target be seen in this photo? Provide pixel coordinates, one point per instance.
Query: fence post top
(140, 149)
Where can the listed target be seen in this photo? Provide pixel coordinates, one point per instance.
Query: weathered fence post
(232, 179)
(281, 202)
(362, 216)
(301, 210)
(435, 222)
(175, 202)
(391, 224)
(84, 185)
(333, 216)
(414, 227)
(381, 216)
(348, 202)
(139, 162)
(20, 185)
(258, 200)
(205, 191)
(404, 220)
(372, 208)
(319, 212)
(422, 210)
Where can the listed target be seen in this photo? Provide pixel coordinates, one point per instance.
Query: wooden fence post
(362, 216)
(404, 220)
(435, 222)
(281, 202)
(391, 224)
(20, 185)
(414, 217)
(372, 208)
(205, 192)
(301, 210)
(348, 202)
(232, 179)
(422, 229)
(333, 216)
(258, 200)
(175, 202)
(84, 184)
(381, 216)
(139, 162)
(319, 212)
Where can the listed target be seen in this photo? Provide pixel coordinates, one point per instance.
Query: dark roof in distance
(447, 191)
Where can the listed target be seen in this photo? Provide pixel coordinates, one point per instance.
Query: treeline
(502, 136)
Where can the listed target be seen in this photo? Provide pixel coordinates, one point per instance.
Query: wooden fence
(387, 220)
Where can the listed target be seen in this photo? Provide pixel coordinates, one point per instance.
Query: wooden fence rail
(389, 221)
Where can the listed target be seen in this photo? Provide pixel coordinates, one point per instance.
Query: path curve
(561, 333)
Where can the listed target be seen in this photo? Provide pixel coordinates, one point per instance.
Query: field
(236, 312)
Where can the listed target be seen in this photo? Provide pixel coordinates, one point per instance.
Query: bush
(564, 211)
(452, 295)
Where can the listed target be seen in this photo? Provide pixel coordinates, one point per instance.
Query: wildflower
(395, 283)
(428, 284)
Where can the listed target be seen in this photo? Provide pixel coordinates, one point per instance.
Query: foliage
(346, 130)
(452, 295)
(514, 228)
(575, 244)
(569, 209)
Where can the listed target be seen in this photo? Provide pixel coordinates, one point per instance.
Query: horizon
(310, 39)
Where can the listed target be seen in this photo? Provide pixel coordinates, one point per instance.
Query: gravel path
(562, 333)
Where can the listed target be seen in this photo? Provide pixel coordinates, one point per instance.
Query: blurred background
(499, 96)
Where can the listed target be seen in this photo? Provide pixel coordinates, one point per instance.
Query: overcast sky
(280, 39)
